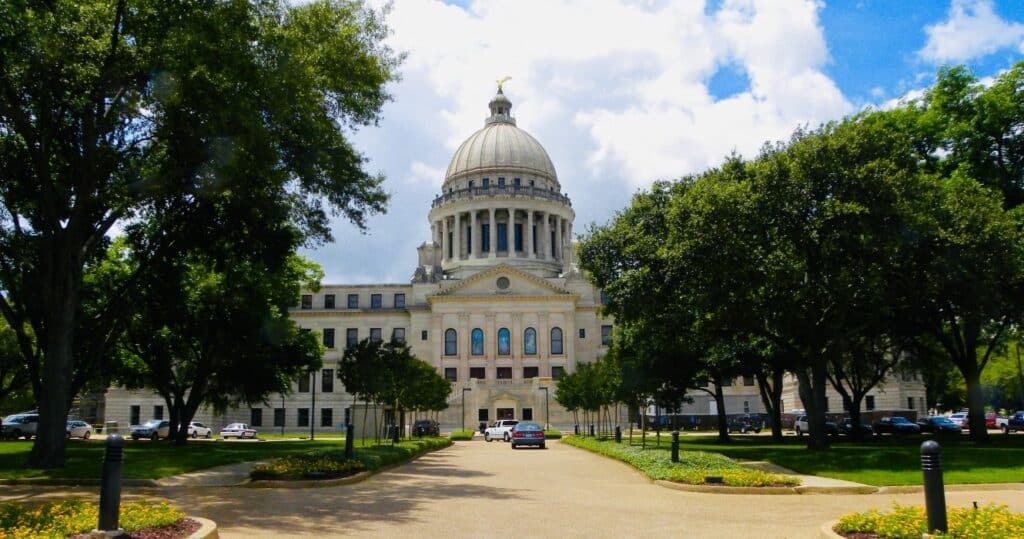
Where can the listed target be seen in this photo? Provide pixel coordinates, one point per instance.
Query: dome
(500, 147)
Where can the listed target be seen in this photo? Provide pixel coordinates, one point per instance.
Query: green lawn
(880, 461)
(148, 460)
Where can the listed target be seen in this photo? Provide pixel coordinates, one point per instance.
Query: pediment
(520, 283)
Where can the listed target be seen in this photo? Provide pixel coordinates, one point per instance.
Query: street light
(464, 390)
(547, 413)
(312, 405)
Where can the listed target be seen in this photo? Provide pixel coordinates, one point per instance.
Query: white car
(500, 430)
(197, 429)
(237, 430)
(79, 429)
(960, 418)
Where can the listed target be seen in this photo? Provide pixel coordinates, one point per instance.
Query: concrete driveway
(478, 489)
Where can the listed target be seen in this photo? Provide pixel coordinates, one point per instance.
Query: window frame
(328, 338)
(306, 302)
(351, 337)
(451, 374)
(527, 350)
(451, 337)
(399, 304)
(330, 301)
(507, 350)
(376, 301)
(352, 301)
(327, 381)
(477, 342)
(560, 340)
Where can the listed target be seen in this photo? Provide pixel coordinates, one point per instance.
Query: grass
(881, 461)
(148, 460)
(694, 467)
(264, 435)
(461, 435)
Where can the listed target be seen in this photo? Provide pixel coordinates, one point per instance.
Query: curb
(982, 487)
(827, 533)
(207, 529)
(725, 489)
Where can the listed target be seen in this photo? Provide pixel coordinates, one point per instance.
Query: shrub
(70, 517)
(315, 464)
(910, 522)
(375, 457)
(552, 434)
(461, 435)
(693, 466)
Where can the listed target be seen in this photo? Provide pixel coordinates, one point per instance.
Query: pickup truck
(500, 430)
(1014, 423)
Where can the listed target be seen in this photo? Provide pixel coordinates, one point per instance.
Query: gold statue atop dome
(502, 81)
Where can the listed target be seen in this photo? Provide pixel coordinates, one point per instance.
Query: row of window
(352, 336)
(476, 341)
(302, 417)
(352, 301)
(326, 382)
(501, 373)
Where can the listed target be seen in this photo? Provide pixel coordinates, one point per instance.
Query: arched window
(451, 343)
(504, 342)
(477, 341)
(556, 341)
(530, 342)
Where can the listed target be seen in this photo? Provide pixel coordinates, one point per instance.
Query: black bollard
(618, 434)
(576, 429)
(110, 486)
(675, 446)
(395, 433)
(934, 491)
(591, 429)
(350, 435)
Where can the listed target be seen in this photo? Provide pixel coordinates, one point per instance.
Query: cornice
(498, 298)
(499, 268)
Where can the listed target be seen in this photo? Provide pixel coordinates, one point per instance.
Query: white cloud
(420, 172)
(973, 30)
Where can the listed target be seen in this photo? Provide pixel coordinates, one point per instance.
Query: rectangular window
(472, 184)
(375, 301)
(278, 417)
(451, 237)
(304, 383)
(423, 335)
(527, 414)
(531, 372)
(328, 337)
(869, 402)
(583, 333)
(451, 374)
(518, 233)
(606, 335)
(329, 301)
(477, 372)
(158, 412)
(516, 182)
(399, 301)
(469, 238)
(557, 372)
(256, 417)
(351, 337)
(398, 334)
(552, 244)
(303, 417)
(504, 373)
(910, 403)
(487, 182)
(375, 334)
(134, 413)
(485, 238)
(726, 382)
(482, 415)
(327, 417)
(327, 381)
(501, 182)
(502, 237)
(353, 301)
(307, 301)
(748, 381)
(746, 407)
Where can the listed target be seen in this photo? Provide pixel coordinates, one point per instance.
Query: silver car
(79, 429)
(18, 425)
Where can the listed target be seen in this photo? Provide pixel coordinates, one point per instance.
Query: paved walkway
(477, 489)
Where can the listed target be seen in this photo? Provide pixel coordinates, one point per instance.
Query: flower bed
(312, 465)
(694, 467)
(75, 516)
(910, 522)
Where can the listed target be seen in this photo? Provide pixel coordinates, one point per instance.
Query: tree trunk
(855, 417)
(816, 416)
(723, 421)
(975, 405)
(1020, 376)
(771, 397)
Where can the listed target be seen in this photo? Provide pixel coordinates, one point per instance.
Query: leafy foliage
(911, 522)
(74, 516)
(461, 435)
(312, 465)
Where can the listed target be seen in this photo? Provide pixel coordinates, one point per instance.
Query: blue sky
(623, 93)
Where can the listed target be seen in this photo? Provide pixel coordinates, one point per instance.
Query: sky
(624, 93)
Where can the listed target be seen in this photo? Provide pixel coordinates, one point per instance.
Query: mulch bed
(860, 535)
(178, 530)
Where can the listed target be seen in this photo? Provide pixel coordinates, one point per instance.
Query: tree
(107, 106)
(15, 387)
(361, 375)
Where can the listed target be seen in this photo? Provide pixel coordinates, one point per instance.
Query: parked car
(527, 433)
(1014, 423)
(197, 429)
(154, 429)
(960, 418)
(79, 429)
(939, 425)
(426, 427)
(895, 425)
(19, 425)
(994, 421)
(846, 427)
(745, 423)
(500, 430)
(802, 426)
(237, 430)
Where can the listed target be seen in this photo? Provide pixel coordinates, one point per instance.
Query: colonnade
(459, 234)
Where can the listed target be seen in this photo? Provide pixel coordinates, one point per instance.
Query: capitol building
(496, 304)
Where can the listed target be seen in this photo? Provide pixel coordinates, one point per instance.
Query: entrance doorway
(506, 413)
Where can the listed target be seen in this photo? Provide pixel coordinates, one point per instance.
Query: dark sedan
(939, 425)
(896, 425)
(527, 434)
(846, 428)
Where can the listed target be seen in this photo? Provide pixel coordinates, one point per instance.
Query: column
(510, 233)
(558, 237)
(457, 237)
(545, 241)
(444, 239)
(529, 235)
(493, 236)
(474, 236)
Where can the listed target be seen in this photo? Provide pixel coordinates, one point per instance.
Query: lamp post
(547, 416)
(464, 390)
(312, 405)
(282, 415)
